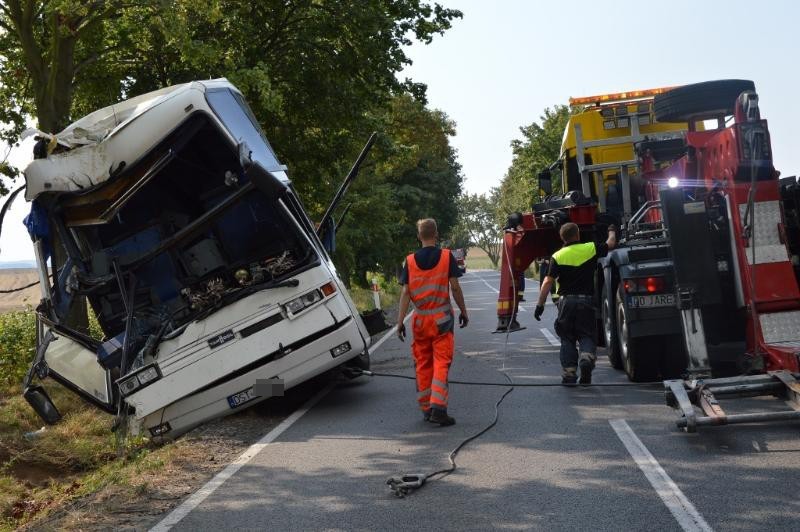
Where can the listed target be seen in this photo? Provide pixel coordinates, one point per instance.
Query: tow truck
(709, 258)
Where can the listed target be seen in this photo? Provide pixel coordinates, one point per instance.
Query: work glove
(538, 312)
(401, 331)
(463, 320)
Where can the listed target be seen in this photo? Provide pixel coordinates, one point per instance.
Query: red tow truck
(709, 254)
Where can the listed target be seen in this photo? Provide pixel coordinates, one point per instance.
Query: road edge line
(196, 499)
(673, 498)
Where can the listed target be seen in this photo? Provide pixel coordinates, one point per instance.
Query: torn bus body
(183, 232)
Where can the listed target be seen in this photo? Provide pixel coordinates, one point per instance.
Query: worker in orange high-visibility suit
(428, 277)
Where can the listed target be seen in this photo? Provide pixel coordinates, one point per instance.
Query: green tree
(538, 148)
(309, 68)
(44, 45)
(415, 176)
(478, 218)
(319, 75)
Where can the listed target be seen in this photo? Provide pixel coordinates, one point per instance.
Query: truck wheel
(610, 331)
(673, 359)
(641, 364)
(700, 99)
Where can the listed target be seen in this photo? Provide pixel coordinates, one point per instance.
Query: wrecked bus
(182, 230)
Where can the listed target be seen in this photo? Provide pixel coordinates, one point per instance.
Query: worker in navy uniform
(574, 266)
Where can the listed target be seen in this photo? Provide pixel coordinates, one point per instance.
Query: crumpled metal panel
(781, 327)
(769, 247)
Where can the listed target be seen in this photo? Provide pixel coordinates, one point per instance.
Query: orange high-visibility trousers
(432, 327)
(432, 358)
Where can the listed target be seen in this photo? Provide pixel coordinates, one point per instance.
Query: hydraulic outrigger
(711, 255)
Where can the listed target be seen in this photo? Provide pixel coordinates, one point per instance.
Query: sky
(500, 66)
(506, 61)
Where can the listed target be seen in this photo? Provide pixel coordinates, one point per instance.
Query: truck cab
(607, 155)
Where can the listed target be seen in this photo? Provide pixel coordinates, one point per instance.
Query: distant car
(460, 256)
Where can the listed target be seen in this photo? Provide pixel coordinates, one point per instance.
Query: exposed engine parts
(211, 292)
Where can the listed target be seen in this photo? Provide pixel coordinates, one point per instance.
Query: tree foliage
(414, 175)
(538, 148)
(320, 75)
(478, 219)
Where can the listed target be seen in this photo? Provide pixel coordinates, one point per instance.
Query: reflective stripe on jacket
(429, 290)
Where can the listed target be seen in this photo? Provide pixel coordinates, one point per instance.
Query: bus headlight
(134, 382)
(293, 306)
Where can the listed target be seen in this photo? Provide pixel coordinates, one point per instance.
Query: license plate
(652, 300)
(238, 399)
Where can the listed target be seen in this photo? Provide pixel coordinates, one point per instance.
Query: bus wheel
(641, 363)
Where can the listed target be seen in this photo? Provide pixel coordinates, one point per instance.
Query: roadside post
(376, 293)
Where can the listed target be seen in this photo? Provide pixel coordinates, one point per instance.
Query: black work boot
(569, 377)
(586, 372)
(440, 417)
(586, 363)
(426, 414)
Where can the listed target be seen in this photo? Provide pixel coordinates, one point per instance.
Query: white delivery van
(184, 233)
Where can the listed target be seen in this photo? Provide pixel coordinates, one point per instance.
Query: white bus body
(185, 235)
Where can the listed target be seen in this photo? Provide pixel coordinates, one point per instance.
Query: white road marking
(551, 337)
(389, 334)
(496, 291)
(176, 515)
(676, 502)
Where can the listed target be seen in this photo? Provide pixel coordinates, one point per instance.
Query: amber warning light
(618, 96)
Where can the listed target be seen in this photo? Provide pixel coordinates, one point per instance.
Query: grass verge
(479, 263)
(41, 468)
(389, 295)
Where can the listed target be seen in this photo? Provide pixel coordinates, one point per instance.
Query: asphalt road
(553, 462)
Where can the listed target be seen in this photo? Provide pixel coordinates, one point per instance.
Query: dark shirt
(427, 258)
(576, 274)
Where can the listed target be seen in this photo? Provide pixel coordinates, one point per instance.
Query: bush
(17, 345)
(389, 293)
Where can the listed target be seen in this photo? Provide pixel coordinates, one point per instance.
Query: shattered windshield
(239, 120)
(191, 237)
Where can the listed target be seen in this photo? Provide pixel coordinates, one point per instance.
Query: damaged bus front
(180, 227)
